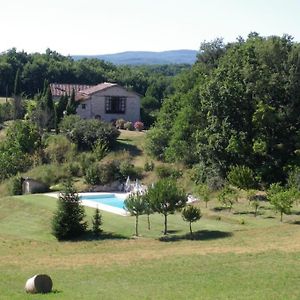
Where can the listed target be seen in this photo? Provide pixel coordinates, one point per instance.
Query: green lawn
(228, 260)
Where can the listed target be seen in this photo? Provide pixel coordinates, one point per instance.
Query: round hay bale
(40, 283)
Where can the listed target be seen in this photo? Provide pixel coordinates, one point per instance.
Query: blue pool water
(107, 199)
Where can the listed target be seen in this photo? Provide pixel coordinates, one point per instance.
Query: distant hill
(146, 57)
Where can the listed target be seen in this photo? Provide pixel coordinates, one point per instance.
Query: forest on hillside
(237, 108)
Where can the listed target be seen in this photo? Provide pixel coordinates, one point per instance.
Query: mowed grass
(228, 260)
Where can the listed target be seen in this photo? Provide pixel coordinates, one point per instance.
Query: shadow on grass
(89, 236)
(201, 235)
(132, 149)
(296, 223)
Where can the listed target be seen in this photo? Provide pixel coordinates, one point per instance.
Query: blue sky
(110, 26)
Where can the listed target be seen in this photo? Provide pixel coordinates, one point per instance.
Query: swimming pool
(111, 202)
(107, 199)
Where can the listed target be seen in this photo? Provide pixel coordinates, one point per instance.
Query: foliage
(59, 149)
(24, 135)
(128, 126)
(138, 125)
(203, 192)
(164, 171)
(97, 222)
(149, 166)
(68, 220)
(15, 185)
(100, 149)
(92, 175)
(136, 206)
(165, 198)
(282, 199)
(241, 177)
(12, 160)
(191, 214)
(120, 123)
(128, 169)
(235, 107)
(85, 133)
(228, 196)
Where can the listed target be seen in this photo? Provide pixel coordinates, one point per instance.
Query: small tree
(135, 204)
(281, 199)
(165, 198)
(228, 197)
(191, 214)
(68, 220)
(203, 192)
(72, 104)
(97, 222)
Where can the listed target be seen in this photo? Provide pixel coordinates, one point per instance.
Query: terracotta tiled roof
(60, 89)
(97, 88)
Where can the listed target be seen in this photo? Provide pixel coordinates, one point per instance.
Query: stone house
(105, 101)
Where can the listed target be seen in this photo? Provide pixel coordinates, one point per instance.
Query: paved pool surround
(93, 204)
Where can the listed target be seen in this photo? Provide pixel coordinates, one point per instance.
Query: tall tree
(18, 109)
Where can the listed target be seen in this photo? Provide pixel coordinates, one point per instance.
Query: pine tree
(97, 222)
(72, 105)
(68, 221)
(18, 110)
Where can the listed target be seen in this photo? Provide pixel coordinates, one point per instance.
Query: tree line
(237, 106)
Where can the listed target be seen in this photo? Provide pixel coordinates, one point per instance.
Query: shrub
(156, 142)
(128, 126)
(100, 149)
(85, 133)
(15, 185)
(127, 169)
(92, 175)
(167, 171)
(85, 160)
(74, 169)
(241, 177)
(139, 126)
(59, 149)
(49, 174)
(120, 123)
(109, 172)
(149, 166)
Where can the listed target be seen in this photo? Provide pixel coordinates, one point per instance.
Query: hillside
(146, 57)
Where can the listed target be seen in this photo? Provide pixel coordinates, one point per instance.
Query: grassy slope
(228, 260)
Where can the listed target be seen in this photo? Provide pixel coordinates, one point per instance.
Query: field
(233, 256)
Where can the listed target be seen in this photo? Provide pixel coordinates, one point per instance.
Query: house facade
(105, 101)
(108, 102)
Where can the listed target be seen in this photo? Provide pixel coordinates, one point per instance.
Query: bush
(74, 169)
(156, 142)
(59, 149)
(149, 166)
(241, 177)
(85, 133)
(85, 160)
(92, 175)
(109, 172)
(100, 149)
(127, 169)
(120, 123)
(15, 185)
(49, 174)
(139, 126)
(128, 126)
(167, 171)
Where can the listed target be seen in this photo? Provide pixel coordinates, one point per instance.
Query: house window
(83, 106)
(115, 105)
